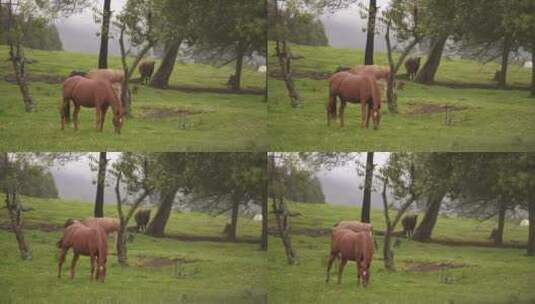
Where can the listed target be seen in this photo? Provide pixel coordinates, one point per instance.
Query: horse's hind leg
(64, 112)
(341, 270)
(75, 116)
(93, 259)
(363, 114)
(369, 115)
(341, 114)
(61, 259)
(332, 257)
(73, 264)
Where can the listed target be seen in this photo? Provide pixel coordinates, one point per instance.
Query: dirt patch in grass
(209, 238)
(430, 108)
(46, 78)
(160, 113)
(46, 227)
(317, 75)
(146, 261)
(415, 266)
(196, 89)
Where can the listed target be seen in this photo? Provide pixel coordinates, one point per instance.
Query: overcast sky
(344, 29)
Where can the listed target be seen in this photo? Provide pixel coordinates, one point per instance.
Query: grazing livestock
(109, 224)
(111, 75)
(142, 218)
(351, 246)
(412, 65)
(78, 73)
(409, 223)
(257, 217)
(146, 68)
(87, 241)
(353, 88)
(90, 93)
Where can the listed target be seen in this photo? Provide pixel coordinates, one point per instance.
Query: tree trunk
(101, 177)
(281, 215)
(425, 229)
(15, 217)
(264, 236)
(498, 240)
(531, 235)
(167, 198)
(104, 35)
(368, 55)
(533, 69)
(122, 251)
(426, 75)
(502, 81)
(234, 218)
(366, 201)
(239, 66)
(162, 75)
(285, 66)
(388, 254)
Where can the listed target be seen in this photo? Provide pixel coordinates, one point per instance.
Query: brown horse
(90, 93)
(351, 246)
(355, 88)
(146, 68)
(88, 241)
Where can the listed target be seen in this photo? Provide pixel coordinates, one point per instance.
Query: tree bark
(498, 240)
(425, 229)
(368, 55)
(502, 81)
(533, 69)
(16, 55)
(264, 236)
(162, 75)
(167, 198)
(15, 212)
(281, 215)
(531, 234)
(239, 66)
(427, 73)
(366, 201)
(101, 177)
(234, 217)
(104, 35)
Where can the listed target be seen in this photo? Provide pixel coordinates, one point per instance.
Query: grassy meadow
(486, 120)
(211, 272)
(426, 272)
(214, 121)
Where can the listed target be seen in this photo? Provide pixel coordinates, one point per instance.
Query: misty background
(344, 29)
(75, 180)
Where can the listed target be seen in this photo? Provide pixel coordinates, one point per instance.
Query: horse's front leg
(93, 259)
(73, 264)
(103, 117)
(75, 116)
(341, 270)
(368, 116)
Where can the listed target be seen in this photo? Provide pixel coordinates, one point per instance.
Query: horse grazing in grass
(355, 88)
(146, 68)
(90, 93)
(351, 246)
(142, 218)
(409, 223)
(84, 240)
(412, 65)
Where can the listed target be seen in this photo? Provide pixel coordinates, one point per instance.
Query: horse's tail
(331, 108)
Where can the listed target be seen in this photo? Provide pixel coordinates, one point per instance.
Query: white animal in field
(257, 217)
(262, 69)
(528, 64)
(524, 223)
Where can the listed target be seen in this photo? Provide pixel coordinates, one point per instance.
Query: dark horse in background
(90, 93)
(355, 88)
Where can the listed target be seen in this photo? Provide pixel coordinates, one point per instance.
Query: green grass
(494, 120)
(223, 122)
(490, 275)
(221, 273)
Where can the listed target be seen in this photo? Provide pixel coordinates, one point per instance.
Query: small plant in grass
(184, 122)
